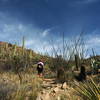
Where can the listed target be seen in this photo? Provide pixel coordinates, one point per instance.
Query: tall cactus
(30, 54)
(77, 61)
(15, 48)
(23, 45)
(6, 46)
(23, 42)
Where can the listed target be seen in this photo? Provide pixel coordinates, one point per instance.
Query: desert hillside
(60, 80)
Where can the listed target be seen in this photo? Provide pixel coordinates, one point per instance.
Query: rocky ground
(52, 90)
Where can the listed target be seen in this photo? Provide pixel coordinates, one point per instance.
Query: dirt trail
(52, 90)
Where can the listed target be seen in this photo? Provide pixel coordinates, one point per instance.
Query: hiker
(40, 66)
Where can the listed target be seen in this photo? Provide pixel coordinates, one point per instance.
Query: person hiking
(40, 67)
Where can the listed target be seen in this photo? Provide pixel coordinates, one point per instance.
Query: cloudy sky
(41, 21)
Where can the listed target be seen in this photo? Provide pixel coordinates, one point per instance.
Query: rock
(46, 86)
(58, 98)
(39, 98)
(55, 90)
(43, 92)
(59, 85)
(64, 86)
(47, 97)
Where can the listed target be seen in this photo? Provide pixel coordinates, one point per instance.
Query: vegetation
(18, 72)
(88, 90)
(11, 89)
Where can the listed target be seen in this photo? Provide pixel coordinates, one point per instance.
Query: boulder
(64, 85)
(55, 90)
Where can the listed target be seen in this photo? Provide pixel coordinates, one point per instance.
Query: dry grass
(11, 89)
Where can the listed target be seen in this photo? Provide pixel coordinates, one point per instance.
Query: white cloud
(29, 43)
(13, 32)
(93, 42)
(4, 36)
(9, 28)
(46, 32)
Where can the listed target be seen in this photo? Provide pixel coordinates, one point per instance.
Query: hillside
(19, 80)
(25, 57)
(12, 55)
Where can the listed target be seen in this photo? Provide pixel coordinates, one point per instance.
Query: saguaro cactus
(14, 52)
(23, 41)
(23, 45)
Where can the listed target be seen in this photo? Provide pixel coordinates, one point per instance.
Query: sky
(42, 21)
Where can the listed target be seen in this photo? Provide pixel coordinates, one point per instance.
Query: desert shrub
(7, 87)
(69, 76)
(97, 78)
(29, 90)
(5, 90)
(10, 89)
(63, 97)
(88, 90)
